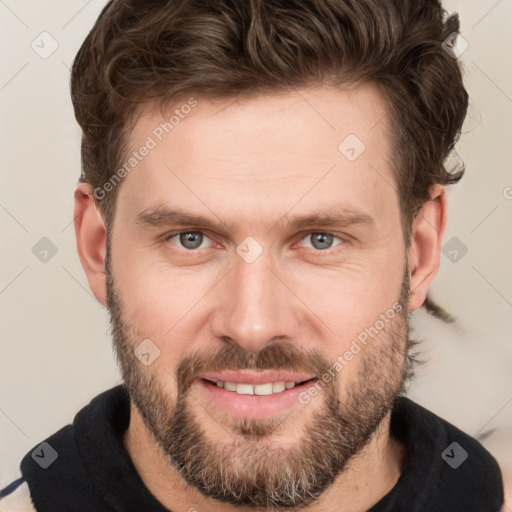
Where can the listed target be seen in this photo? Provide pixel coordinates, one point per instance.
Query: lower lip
(252, 406)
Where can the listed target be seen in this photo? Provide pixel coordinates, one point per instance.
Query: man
(261, 208)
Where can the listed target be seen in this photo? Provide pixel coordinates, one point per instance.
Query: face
(277, 318)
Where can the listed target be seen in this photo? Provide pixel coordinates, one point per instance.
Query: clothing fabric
(84, 467)
(16, 497)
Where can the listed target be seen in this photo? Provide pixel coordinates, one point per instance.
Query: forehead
(263, 153)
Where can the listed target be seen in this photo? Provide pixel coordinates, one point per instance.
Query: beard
(246, 467)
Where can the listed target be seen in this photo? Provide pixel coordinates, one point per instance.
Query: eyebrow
(161, 216)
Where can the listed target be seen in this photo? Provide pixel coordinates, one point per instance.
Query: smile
(264, 389)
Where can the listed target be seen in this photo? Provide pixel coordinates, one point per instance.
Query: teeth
(277, 387)
(245, 389)
(230, 386)
(263, 389)
(268, 388)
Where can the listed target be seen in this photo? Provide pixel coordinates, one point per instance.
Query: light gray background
(55, 351)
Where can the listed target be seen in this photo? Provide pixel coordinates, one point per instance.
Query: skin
(250, 163)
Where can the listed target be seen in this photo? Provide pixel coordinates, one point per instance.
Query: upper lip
(252, 377)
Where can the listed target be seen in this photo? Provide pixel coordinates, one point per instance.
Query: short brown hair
(142, 51)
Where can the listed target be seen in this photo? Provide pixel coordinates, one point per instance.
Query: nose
(254, 305)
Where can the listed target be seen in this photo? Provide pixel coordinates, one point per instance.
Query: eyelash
(315, 254)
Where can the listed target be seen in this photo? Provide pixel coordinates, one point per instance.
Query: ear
(425, 251)
(91, 238)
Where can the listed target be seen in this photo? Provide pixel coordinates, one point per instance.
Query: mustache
(276, 356)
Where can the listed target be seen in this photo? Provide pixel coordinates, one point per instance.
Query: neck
(367, 478)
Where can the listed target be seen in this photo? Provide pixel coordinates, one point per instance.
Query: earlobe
(91, 240)
(425, 250)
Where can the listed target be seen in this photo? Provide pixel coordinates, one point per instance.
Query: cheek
(352, 298)
(355, 305)
(159, 302)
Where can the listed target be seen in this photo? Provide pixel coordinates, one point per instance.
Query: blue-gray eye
(321, 240)
(191, 239)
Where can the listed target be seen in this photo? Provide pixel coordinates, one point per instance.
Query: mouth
(253, 400)
(262, 389)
